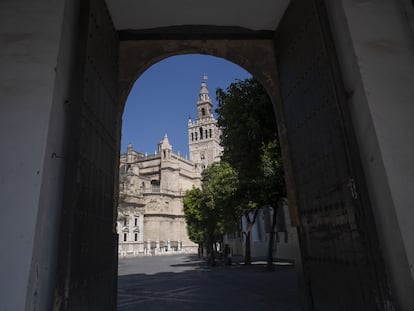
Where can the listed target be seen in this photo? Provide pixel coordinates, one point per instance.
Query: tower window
(125, 237)
(203, 112)
(196, 136)
(210, 133)
(136, 237)
(136, 222)
(201, 133)
(206, 133)
(192, 136)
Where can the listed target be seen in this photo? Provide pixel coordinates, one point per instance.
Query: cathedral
(152, 187)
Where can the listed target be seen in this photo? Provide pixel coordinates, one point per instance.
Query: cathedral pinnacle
(204, 95)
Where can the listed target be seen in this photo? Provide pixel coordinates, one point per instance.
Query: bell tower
(204, 133)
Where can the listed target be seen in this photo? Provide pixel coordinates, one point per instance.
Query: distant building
(204, 133)
(150, 210)
(152, 187)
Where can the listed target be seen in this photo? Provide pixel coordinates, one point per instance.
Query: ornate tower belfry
(204, 105)
(204, 133)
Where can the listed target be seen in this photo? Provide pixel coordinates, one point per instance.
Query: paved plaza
(186, 283)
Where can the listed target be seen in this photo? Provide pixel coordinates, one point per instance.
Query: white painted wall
(29, 38)
(376, 51)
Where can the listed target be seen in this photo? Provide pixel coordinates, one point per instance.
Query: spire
(164, 143)
(164, 148)
(204, 104)
(204, 95)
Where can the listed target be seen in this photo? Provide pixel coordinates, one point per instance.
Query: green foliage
(193, 216)
(250, 143)
(208, 210)
(220, 184)
(249, 139)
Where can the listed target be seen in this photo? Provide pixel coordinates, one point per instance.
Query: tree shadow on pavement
(204, 288)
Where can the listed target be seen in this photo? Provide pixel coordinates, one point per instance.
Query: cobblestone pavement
(167, 283)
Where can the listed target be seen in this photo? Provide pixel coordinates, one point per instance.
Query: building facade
(150, 211)
(152, 187)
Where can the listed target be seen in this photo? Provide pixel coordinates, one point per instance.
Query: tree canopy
(208, 211)
(251, 147)
(250, 142)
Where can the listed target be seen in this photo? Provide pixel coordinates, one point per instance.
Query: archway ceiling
(148, 14)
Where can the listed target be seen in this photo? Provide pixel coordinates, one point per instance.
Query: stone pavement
(185, 283)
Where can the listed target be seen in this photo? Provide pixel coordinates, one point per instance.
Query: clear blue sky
(165, 96)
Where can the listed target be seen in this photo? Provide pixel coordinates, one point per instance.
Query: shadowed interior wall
(48, 122)
(88, 245)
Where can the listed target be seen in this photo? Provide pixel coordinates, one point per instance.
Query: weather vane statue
(205, 78)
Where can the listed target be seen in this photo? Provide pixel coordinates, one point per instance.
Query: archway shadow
(192, 285)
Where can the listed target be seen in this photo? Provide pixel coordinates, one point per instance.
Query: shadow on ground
(192, 285)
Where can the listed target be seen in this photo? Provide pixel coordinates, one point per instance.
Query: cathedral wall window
(125, 237)
(136, 237)
(136, 222)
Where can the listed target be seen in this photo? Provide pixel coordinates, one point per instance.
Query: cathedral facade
(152, 187)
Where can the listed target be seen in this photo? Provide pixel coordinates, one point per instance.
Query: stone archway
(95, 138)
(257, 56)
(62, 103)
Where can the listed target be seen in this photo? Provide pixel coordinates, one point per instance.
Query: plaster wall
(30, 38)
(376, 53)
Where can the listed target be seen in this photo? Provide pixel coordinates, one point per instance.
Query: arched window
(201, 133)
(192, 136)
(203, 112)
(196, 136)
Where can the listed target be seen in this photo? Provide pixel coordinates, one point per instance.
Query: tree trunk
(211, 255)
(250, 223)
(270, 266)
(247, 255)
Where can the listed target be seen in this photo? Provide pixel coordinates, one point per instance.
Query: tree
(208, 210)
(250, 145)
(192, 213)
(273, 185)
